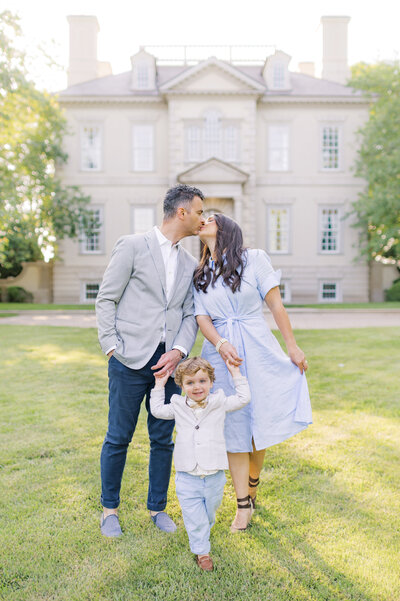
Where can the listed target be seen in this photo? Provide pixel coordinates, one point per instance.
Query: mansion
(272, 148)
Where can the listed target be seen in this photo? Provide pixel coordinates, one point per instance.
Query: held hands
(161, 380)
(233, 369)
(229, 353)
(298, 358)
(167, 363)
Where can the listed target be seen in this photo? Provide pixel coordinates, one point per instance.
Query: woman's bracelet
(220, 343)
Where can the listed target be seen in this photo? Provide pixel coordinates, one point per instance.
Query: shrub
(393, 293)
(17, 294)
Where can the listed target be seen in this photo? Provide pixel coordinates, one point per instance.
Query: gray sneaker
(109, 526)
(163, 522)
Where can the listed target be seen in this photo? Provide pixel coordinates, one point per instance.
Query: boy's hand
(233, 369)
(161, 380)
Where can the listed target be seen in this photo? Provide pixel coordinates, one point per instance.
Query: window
(330, 147)
(91, 148)
(284, 288)
(143, 76)
(278, 147)
(212, 138)
(212, 135)
(278, 229)
(94, 244)
(194, 143)
(328, 292)
(143, 147)
(231, 144)
(90, 291)
(278, 77)
(143, 219)
(329, 230)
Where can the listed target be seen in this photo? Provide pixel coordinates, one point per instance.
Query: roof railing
(190, 55)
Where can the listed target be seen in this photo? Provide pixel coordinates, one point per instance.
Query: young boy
(200, 455)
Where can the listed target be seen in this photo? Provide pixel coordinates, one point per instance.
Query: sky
(290, 25)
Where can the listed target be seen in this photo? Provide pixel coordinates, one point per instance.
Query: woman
(230, 285)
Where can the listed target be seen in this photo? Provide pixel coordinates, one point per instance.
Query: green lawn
(388, 305)
(327, 527)
(88, 307)
(44, 307)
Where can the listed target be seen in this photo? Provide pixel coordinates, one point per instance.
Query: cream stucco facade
(272, 148)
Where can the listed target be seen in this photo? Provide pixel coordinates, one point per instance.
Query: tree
(36, 209)
(377, 209)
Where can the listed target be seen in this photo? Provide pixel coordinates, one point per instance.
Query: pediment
(212, 76)
(213, 171)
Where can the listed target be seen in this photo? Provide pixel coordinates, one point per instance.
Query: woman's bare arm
(227, 350)
(274, 302)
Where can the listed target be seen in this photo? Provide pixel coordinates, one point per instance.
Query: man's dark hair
(180, 195)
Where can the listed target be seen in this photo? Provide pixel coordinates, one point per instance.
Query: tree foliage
(36, 209)
(378, 207)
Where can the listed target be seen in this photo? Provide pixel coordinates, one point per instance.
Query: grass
(327, 527)
(88, 307)
(388, 305)
(43, 307)
(8, 315)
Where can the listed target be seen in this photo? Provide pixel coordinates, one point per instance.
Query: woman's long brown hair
(230, 257)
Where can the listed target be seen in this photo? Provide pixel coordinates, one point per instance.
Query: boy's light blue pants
(199, 499)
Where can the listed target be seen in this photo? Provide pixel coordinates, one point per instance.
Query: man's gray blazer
(132, 308)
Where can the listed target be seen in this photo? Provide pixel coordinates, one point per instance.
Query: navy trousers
(127, 388)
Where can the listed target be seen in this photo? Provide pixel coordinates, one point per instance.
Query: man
(144, 313)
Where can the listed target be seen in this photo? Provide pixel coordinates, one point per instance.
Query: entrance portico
(223, 186)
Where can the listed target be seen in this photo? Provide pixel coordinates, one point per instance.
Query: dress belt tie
(230, 321)
(235, 338)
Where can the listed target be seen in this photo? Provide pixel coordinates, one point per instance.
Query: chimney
(83, 64)
(307, 68)
(334, 60)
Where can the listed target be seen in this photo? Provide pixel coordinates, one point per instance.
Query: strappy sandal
(253, 483)
(243, 504)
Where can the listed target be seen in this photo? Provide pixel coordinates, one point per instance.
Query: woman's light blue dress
(280, 404)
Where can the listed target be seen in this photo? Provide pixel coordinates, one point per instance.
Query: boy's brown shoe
(205, 563)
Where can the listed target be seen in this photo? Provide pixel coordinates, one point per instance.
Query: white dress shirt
(169, 254)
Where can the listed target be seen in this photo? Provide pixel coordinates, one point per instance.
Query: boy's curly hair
(191, 366)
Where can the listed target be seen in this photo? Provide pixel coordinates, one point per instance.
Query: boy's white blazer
(200, 441)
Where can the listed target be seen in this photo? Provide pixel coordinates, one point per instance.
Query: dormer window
(143, 71)
(276, 71)
(279, 75)
(143, 79)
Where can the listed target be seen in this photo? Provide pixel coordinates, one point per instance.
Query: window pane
(278, 230)
(143, 147)
(143, 76)
(193, 143)
(329, 290)
(329, 230)
(90, 148)
(91, 291)
(278, 146)
(231, 139)
(330, 147)
(92, 243)
(143, 219)
(212, 135)
(279, 75)
(212, 139)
